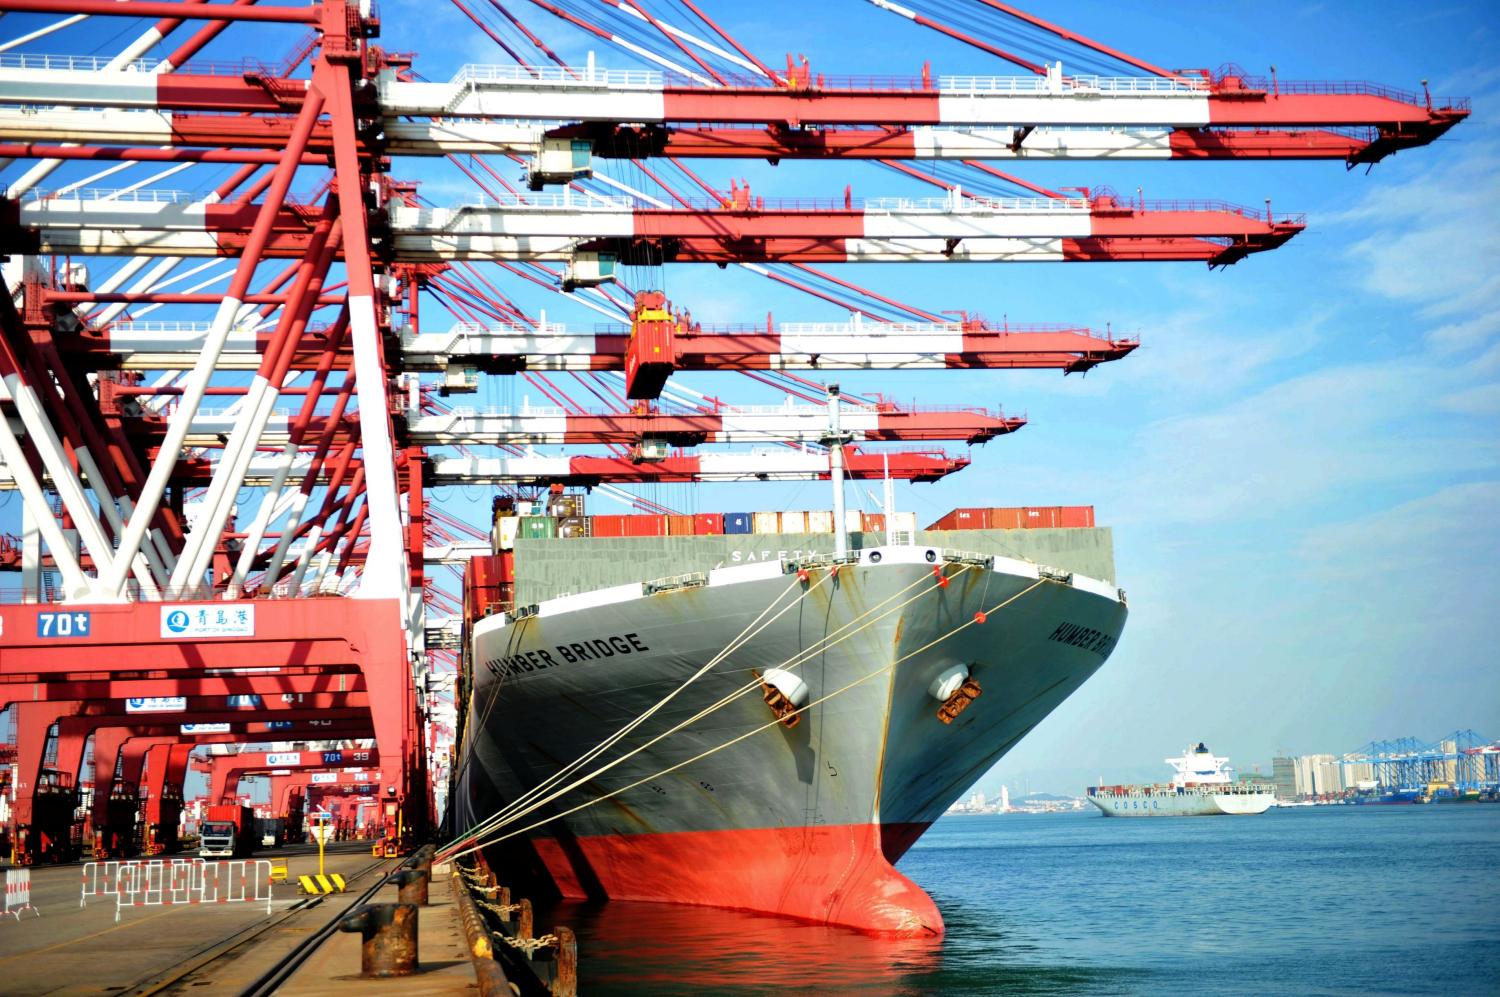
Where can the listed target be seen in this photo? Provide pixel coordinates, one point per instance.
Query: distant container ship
(1202, 785)
(870, 678)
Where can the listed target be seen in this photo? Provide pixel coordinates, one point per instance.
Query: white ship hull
(1187, 804)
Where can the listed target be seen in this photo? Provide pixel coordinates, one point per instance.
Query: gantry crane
(249, 330)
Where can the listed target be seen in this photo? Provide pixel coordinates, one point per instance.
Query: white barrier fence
(157, 883)
(18, 893)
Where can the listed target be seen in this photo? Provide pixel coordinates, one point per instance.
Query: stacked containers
(765, 522)
(737, 523)
(679, 526)
(873, 522)
(819, 521)
(708, 524)
(1031, 517)
(572, 527)
(793, 522)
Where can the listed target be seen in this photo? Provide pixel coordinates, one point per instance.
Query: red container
(609, 526)
(708, 524)
(645, 526)
(963, 519)
(1041, 517)
(874, 522)
(1005, 519)
(948, 522)
(1078, 517)
(680, 526)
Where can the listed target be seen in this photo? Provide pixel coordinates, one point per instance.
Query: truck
(228, 831)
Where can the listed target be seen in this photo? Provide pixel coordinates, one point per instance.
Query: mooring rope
(525, 799)
(818, 647)
(756, 730)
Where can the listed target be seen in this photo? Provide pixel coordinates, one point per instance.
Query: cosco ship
(1202, 786)
(812, 701)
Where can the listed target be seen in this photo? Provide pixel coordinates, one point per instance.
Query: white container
(765, 522)
(794, 522)
(820, 521)
(503, 536)
(854, 521)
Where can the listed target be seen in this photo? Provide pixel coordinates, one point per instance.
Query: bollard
(565, 977)
(412, 884)
(390, 938)
(523, 919)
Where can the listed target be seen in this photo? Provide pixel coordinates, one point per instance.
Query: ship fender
(947, 683)
(789, 684)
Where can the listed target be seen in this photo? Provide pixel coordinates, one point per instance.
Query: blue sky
(1300, 463)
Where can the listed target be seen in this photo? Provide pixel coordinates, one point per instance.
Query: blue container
(736, 522)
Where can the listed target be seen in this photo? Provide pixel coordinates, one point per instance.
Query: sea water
(1321, 900)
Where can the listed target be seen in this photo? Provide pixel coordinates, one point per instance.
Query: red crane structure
(274, 211)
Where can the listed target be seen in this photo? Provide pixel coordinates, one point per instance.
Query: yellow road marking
(84, 938)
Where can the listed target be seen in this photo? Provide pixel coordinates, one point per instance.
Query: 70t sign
(62, 624)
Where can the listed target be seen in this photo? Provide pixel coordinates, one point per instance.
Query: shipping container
(645, 526)
(1041, 517)
(572, 527)
(873, 522)
(565, 506)
(793, 522)
(538, 527)
(679, 526)
(854, 520)
(524, 507)
(964, 519)
(608, 526)
(708, 524)
(503, 535)
(1005, 519)
(904, 522)
(737, 523)
(1078, 517)
(819, 521)
(765, 522)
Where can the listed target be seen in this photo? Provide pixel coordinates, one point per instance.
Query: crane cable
(753, 731)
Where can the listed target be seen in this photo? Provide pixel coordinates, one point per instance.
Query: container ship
(1202, 785)
(805, 693)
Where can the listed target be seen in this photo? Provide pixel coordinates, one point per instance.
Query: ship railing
(692, 579)
(973, 557)
(789, 567)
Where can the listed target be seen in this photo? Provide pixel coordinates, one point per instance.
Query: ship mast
(835, 443)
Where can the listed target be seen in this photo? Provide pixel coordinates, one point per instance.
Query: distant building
(1357, 774)
(1004, 799)
(1284, 777)
(1318, 775)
